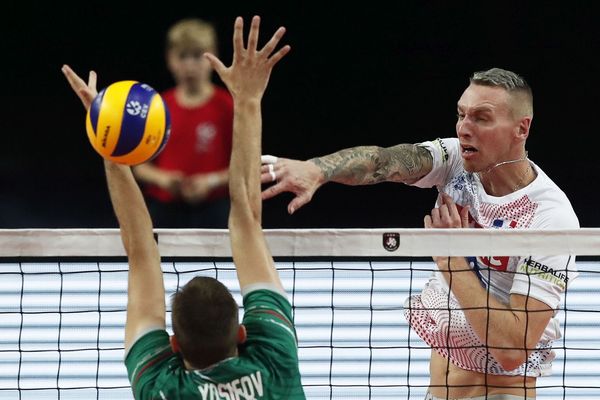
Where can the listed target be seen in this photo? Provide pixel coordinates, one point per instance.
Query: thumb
(92, 82)
(217, 65)
(464, 216)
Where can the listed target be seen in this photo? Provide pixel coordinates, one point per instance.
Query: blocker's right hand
(85, 92)
(302, 178)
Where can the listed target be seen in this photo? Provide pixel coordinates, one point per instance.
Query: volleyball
(128, 123)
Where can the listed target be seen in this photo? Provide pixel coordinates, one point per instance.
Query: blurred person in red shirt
(186, 184)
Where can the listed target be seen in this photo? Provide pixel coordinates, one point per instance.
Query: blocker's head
(205, 322)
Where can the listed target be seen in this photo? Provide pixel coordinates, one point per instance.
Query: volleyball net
(63, 302)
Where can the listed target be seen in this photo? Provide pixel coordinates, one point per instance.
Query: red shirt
(200, 140)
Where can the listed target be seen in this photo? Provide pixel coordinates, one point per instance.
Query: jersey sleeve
(270, 329)
(446, 159)
(545, 278)
(147, 358)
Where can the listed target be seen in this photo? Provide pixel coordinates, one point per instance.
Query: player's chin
(470, 167)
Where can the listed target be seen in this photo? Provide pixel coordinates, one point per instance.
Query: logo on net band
(391, 241)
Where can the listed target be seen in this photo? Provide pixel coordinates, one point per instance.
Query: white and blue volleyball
(128, 123)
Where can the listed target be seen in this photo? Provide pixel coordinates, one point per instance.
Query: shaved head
(520, 95)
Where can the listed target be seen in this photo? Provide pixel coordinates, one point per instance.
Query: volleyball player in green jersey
(210, 356)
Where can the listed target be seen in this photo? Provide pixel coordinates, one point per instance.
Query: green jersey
(265, 368)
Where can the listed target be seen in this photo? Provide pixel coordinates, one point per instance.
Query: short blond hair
(192, 33)
(514, 84)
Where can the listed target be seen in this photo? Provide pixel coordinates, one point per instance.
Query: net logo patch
(391, 241)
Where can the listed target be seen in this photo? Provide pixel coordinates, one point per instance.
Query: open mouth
(466, 149)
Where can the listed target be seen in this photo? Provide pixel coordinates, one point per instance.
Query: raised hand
(249, 73)
(85, 91)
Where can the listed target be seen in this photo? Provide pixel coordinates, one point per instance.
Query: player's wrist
(317, 170)
(246, 103)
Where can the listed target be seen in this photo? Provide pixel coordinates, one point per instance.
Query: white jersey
(540, 205)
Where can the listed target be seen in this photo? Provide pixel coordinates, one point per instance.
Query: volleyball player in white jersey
(502, 322)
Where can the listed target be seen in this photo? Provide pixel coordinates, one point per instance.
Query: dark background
(381, 73)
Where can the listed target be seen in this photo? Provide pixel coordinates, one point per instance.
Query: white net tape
(308, 242)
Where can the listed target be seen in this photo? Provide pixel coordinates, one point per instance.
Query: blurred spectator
(186, 184)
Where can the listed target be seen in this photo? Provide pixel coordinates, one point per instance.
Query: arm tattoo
(406, 163)
(367, 165)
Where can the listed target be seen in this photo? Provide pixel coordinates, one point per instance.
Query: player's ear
(174, 344)
(242, 335)
(524, 126)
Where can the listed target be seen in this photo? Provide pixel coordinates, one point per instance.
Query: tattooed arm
(367, 165)
(364, 165)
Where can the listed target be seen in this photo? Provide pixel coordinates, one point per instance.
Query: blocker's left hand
(85, 92)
